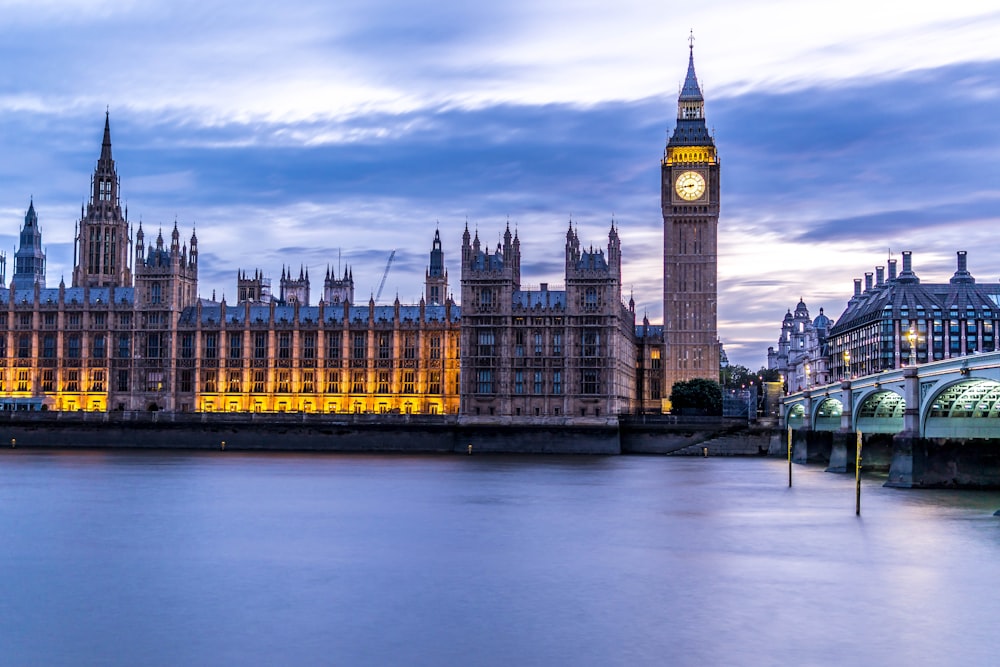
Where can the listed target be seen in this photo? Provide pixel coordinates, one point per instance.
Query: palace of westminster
(131, 332)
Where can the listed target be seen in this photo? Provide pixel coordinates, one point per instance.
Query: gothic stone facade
(546, 354)
(106, 344)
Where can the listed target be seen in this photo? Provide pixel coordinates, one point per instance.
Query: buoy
(704, 450)
(13, 443)
(470, 449)
(223, 445)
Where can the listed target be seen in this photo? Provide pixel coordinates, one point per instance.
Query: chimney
(907, 275)
(879, 275)
(868, 281)
(962, 274)
(857, 287)
(892, 269)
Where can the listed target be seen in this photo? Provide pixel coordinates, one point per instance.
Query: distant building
(801, 357)
(897, 320)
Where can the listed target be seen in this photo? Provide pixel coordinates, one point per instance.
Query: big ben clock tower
(690, 201)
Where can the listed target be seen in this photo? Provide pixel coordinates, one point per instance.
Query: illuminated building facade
(327, 358)
(106, 344)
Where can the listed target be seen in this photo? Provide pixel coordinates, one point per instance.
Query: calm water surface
(119, 558)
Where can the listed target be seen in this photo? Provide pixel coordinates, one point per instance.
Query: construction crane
(385, 274)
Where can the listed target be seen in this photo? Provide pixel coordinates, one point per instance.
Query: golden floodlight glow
(691, 154)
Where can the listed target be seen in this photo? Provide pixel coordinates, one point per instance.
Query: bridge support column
(843, 452)
(908, 452)
(911, 394)
(843, 446)
(847, 400)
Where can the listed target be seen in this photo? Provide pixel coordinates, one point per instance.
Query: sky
(313, 134)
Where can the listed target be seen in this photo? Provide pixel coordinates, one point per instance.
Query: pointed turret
(106, 144)
(436, 277)
(466, 246)
(175, 240)
(29, 260)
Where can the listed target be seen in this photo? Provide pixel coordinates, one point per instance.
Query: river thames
(148, 558)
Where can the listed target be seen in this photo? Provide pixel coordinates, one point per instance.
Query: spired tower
(436, 277)
(690, 202)
(294, 290)
(103, 245)
(338, 290)
(29, 260)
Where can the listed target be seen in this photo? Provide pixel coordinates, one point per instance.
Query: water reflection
(180, 558)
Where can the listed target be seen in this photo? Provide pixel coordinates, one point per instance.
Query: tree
(736, 376)
(696, 397)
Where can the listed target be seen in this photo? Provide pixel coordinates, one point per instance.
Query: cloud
(296, 134)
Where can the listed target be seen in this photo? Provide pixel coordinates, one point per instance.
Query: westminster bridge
(932, 424)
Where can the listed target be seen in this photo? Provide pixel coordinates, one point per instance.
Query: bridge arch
(968, 408)
(795, 416)
(880, 412)
(828, 414)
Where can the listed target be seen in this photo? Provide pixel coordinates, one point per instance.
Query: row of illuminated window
(73, 380)
(310, 382)
(308, 345)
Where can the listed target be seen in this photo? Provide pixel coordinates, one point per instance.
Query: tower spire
(106, 144)
(691, 91)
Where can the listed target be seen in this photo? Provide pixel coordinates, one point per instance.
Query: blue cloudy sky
(305, 131)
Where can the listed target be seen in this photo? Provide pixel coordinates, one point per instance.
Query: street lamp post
(807, 376)
(847, 364)
(912, 338)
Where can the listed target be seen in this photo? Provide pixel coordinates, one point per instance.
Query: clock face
(690, 185)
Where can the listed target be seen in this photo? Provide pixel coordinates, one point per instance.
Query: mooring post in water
(857, 478)
(789, 457)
